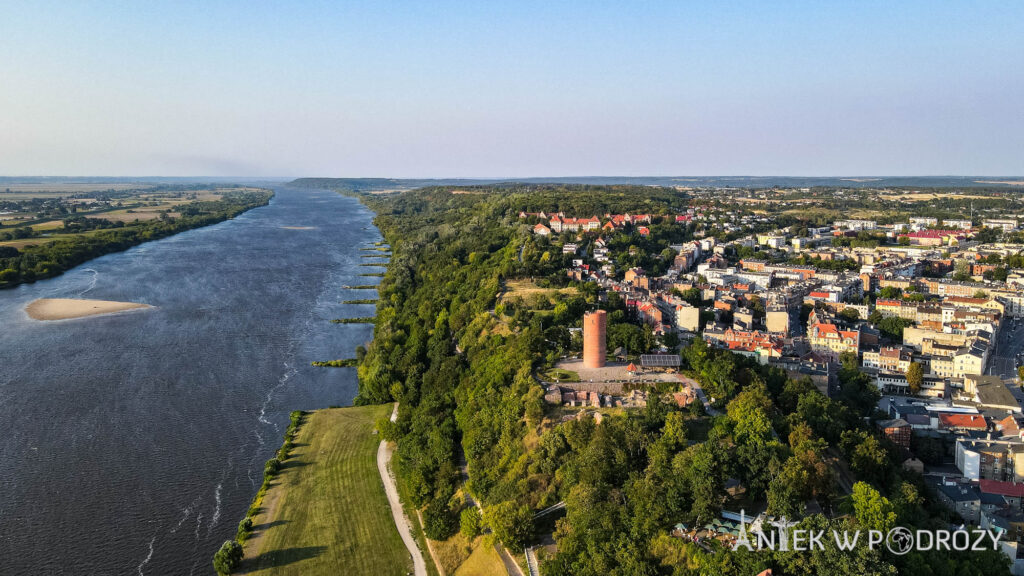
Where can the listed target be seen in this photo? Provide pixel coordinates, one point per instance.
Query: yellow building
(829, 338)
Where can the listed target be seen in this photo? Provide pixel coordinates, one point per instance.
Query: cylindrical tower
(594, 347)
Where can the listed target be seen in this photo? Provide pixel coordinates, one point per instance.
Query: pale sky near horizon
(511, 89)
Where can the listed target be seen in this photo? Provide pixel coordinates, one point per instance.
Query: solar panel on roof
(659, 360)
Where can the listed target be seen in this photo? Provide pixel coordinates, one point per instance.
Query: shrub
(469, 522)
(512, 523)
(272, 467)
(439, 522)
(286, 447)
(227, 558)
(244, 527)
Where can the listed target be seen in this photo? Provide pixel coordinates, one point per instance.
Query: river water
(133, 443)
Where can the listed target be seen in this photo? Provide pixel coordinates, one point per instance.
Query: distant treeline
(35, 262)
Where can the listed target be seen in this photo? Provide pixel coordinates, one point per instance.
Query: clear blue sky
(492, 89)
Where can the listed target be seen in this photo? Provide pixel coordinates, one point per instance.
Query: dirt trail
(401, 522)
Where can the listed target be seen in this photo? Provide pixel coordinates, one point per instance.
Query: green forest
(51, 258)
(461, 359)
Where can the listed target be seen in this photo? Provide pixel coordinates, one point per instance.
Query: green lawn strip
(562, 375)
(332, 516)
(484, 561)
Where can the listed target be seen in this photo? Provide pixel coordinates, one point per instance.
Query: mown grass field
(562, 375)
(327, 512)
(484, 561)
(528, 288)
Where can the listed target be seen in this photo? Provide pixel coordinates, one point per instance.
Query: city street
(1007, 355)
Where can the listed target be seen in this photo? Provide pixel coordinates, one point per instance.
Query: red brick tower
(594, 347)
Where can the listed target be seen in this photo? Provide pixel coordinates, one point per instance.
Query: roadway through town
(1008, 354)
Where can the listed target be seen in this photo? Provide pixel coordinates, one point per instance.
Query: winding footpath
(401, 522)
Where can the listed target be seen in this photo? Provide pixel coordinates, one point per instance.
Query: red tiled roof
(1002, 488)
(888, 302)
(1009, 423)
(827, 329)
(975, 421)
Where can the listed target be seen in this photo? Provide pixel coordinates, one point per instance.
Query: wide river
(133, 443)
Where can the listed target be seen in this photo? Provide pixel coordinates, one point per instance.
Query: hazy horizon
(431, 90)
(272, 177)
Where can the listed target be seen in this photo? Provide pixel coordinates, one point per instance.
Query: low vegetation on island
(343, 363)
(360, 320)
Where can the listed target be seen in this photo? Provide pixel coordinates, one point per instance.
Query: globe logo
(899, 541)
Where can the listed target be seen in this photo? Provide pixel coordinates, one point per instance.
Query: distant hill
(382, 184)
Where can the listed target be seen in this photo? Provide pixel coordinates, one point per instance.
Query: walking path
(700, 395)
(511, 566)
(430, 548)
(531, 562)
(401, 522)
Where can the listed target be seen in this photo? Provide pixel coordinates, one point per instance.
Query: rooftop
(1002, 488)
(975, 421)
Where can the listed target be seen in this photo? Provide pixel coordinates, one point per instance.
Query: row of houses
(559, 222)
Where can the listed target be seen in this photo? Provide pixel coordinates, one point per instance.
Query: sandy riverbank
(65, 308)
